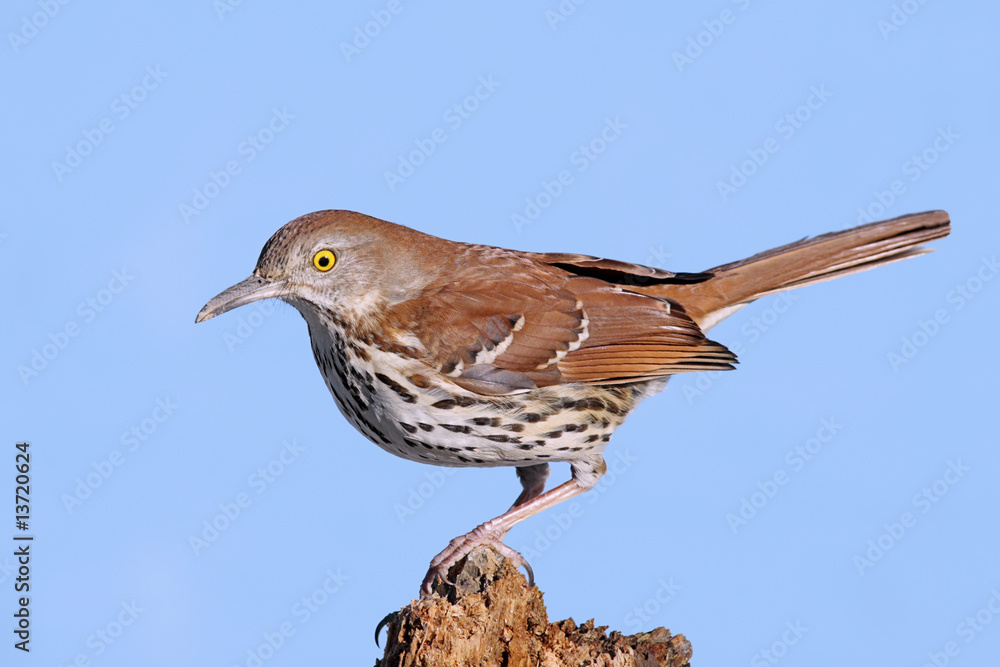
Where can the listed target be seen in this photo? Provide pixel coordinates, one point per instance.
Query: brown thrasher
(457, 354)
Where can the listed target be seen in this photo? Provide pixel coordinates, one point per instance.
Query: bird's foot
(460, 547)
(389, 618)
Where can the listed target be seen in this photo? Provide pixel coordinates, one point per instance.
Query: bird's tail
(805, 262)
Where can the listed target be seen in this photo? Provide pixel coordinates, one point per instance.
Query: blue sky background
(99, 244)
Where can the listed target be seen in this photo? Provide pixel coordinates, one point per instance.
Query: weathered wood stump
(491, 617)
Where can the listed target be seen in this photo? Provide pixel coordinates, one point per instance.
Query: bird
(467, 355)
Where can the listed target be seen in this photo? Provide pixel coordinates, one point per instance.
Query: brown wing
(520, 324)
(637, 337)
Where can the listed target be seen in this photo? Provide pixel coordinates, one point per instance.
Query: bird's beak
(252, 289)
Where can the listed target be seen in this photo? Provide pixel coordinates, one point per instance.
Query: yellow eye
(324, 260)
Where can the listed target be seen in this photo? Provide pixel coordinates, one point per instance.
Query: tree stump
(491, 618)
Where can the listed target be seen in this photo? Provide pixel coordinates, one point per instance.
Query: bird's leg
(533, 480)
(585, 476)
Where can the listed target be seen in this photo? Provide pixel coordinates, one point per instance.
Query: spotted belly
(417, 417)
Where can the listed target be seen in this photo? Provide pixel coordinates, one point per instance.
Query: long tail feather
(805, 262)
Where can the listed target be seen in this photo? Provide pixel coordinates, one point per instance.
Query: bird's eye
(324, 260)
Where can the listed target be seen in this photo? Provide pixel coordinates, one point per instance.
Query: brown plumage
(467, 355)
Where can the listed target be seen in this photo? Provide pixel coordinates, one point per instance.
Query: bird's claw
(529, 571)
(461, 547)
(389, 618)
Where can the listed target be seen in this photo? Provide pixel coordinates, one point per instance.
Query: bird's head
(350, 264)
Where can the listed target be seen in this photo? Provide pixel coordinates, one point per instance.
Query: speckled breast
(409, 410)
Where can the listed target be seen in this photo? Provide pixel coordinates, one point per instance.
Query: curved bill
(252, 289)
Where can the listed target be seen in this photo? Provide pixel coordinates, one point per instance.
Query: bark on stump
(491, 617)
